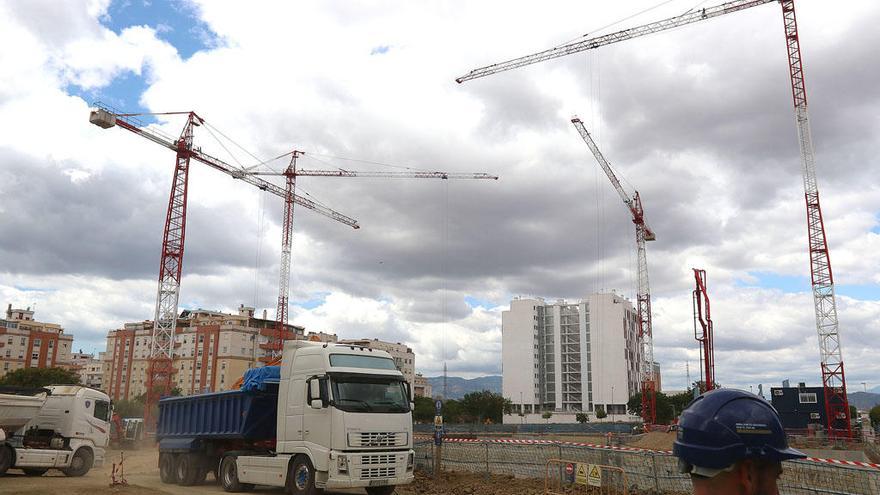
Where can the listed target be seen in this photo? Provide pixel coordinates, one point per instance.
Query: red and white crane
(833, 379)
(643, 233)
(276, 344)
(160, 367)
(704, 334)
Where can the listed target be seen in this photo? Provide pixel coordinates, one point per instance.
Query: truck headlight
(410, 460)
(342, 463)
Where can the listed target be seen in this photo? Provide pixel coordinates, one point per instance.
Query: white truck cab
(69, 432)
(344, 420)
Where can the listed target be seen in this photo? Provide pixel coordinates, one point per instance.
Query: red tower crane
(704, 333)
(160, 367)
(276, 344)
(643, 233)
(833, 379)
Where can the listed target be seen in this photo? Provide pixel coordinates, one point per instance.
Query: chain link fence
(647, 472)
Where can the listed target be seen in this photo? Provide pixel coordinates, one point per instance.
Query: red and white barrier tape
(624, 449)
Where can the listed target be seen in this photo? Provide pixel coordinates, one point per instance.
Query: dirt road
(143, 479)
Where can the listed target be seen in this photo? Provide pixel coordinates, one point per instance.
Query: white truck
(66, 427)
(337, 416)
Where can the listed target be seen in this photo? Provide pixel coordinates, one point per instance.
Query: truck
(62, 427)
(334, 416)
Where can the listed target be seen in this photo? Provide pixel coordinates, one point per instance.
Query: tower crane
(643, 233)
(160, 367)
(704, 334)
(831, 356)
(276, 344)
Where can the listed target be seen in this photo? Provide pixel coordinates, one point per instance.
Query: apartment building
(91, 371)
(569, 357)
(27, 343)
(403, 356)
(421, 387)
(211, 351)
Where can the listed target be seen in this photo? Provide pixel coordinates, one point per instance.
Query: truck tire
(380, 490)
(166, 468)
(228, 475)
(187, 469)
(7, 458)
(34, 471)
(80, 464)
(301, 477)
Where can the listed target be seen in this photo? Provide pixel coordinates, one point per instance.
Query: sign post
(438, 436)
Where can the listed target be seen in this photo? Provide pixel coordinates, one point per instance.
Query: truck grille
(377, 439)
(377, 472)
(367, 460)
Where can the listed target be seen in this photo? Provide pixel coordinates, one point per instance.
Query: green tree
(874, 414)
(547, 415)
(39, 377)
(424, 410)
(479, 406)
(452, 411)
(582, 417)
(600, 412)
(129, 408)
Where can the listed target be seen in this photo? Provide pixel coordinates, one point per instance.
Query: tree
(600, 412)
(668, 407)
(547, 415)
(40, 377)
(581, 417)
(874, 414)
(452, 411)
(129, 408)
(479, 406)
(424, 410)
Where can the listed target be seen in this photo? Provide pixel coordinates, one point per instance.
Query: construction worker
(732, 442)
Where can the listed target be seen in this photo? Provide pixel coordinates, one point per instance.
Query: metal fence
(646, 471)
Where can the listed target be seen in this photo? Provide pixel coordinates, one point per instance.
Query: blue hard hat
(724, 426)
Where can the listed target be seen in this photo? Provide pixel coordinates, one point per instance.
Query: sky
(698, 120)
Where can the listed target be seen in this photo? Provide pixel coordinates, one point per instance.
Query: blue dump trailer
(194, 432)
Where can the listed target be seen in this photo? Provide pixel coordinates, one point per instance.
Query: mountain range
(457, 386)
(863, 401)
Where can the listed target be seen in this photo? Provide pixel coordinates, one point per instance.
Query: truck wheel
(301, 477)
(34, 471)
(166, 468)
(187, 469)
(380, 490)
(7, 458)
(228, 474)
(80, 464)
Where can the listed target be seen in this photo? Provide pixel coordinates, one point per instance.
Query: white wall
(517, 351)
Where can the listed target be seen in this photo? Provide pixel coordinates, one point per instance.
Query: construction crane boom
(634, 203)
(607, 39)
(417, 174)
(825, 306)
(704, 334)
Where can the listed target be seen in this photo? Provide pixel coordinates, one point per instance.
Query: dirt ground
(654, 440)
(143, 479)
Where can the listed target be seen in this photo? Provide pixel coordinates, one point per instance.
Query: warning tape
(518, 441)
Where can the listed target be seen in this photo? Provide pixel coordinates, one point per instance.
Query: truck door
(316, 423)
(293, 412)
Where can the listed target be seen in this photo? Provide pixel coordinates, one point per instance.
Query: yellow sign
(438, 420)
(580, 474)
(595, 476)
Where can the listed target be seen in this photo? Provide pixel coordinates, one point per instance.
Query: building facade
(801, 407)
(421, 387)
(211, 351)
(91, 372)
(570, 357)
(27, 343)
(403, 356)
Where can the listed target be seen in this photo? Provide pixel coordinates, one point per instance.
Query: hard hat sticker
(752, 428)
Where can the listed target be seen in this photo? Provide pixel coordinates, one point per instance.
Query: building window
(51, 344)
(35, 356)
(807, 398)
(36, 342)
(22, 341)
(9, 341)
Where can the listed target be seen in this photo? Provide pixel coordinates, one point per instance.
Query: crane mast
(833, 377)
(643, 297)
(704, 334)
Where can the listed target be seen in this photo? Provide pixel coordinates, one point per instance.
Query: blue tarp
(259, 378)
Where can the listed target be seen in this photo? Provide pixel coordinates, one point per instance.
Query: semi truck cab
(344, 420)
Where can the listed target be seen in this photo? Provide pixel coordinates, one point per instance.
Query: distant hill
(458, 386)
(863, 401)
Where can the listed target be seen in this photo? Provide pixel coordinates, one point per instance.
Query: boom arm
(109, 118)
(607, 39)
(632, 202)
(388, 175)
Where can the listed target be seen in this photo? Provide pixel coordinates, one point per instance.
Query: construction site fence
(459, 429)
(647, 471)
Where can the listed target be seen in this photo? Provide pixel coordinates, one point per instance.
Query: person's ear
(748, 475)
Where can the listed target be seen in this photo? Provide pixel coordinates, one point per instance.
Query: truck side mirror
(314, 393)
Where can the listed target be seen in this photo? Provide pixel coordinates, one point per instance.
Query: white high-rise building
(569, 357)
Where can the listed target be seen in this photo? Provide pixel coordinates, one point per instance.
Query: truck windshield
(369, 394)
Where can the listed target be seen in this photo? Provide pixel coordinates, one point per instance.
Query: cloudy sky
(699, 120)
